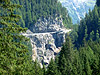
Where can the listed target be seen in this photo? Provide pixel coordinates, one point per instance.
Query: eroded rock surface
(47, 37)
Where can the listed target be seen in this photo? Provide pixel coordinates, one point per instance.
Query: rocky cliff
(47, 37)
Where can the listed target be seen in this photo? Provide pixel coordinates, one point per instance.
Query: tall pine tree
(52, 68)
(13, 54)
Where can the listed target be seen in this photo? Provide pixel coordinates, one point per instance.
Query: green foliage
(73, 33)
(84, 61)
(67, 49)
(63, 65)
(37, 69)
(44, 69)
(98, 2)
(89, 27)
(52, 68)
(32, 10)
(29, 46)
(66, 57)
(14, 55)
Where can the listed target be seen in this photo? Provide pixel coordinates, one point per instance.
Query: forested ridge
(32, 10)
(15, 58)
(80, 57)
(89, 26)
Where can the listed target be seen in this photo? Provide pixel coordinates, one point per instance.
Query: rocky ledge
(46, 39)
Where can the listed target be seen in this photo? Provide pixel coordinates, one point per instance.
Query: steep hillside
(32, 10)
(47, 37)
(89, 28)
(15, 58)
(86, 59)
(46, 20)
(78, 8)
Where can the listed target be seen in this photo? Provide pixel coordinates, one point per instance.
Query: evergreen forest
(32, 10)
(80, 54)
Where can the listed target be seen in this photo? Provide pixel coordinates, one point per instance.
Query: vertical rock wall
(47, 37)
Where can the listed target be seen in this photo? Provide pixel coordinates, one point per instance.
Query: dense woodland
(80, 54)
(32, 10)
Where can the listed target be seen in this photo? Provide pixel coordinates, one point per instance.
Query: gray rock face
(47, 25)
(47, 37)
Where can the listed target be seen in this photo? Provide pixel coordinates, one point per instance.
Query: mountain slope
(32, 10)
(89, 28)
(46, 20)
(78, 8)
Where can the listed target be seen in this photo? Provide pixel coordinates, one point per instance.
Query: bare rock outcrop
(47, 37)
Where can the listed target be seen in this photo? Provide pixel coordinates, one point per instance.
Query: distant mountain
(78, 8)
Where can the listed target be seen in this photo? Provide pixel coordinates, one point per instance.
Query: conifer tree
(63, 65)
(44, 69)
(97, 35)
(66, 57)
(67, 49)
(92, 35)
(13, 54)
(98, 2)
(98, 25)
(88, 68)
(77, 66)
(37, 69)
(85, 36)
(52, 68)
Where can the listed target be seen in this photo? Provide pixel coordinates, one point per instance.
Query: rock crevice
(47, 37)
